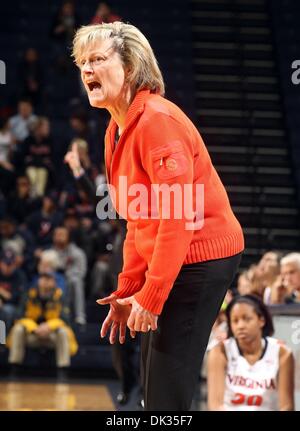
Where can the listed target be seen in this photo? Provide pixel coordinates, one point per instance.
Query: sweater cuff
(126, 287)
(152, 298)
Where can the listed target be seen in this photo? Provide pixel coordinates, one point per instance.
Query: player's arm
(216, 368)
(286, 379)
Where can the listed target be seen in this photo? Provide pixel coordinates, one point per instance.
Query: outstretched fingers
(122, 333)
(107, 300)
(113, 332)
(105, 325)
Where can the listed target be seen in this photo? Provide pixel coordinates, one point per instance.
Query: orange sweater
(160, 145)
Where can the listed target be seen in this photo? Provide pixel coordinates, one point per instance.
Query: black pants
(123, 356)
(171, 356)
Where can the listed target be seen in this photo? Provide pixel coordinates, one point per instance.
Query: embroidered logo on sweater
(171, 164)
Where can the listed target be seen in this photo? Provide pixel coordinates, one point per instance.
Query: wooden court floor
(54, 396)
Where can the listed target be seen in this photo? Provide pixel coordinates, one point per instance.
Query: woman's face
(103, 75)
(245, 324)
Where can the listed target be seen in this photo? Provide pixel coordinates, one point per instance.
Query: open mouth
(94, 85)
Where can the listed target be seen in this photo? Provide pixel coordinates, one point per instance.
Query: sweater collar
(135, 109)
(136, 106)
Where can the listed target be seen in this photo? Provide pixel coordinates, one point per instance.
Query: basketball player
(250, 370)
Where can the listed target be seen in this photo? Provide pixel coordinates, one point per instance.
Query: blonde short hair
(133, 47)
(291, 258)
(51, 257)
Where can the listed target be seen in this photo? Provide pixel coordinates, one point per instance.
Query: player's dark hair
(260, 309)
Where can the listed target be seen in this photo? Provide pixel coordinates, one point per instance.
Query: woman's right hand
(116, 319)
(72, 158)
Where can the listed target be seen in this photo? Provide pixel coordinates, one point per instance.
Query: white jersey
(251, 387)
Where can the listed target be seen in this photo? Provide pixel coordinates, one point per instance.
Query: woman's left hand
(139, 319)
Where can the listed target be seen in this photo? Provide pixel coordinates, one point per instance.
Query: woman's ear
(128, 72)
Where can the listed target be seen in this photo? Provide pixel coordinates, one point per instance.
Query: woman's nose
(87, 68)
(240, 324)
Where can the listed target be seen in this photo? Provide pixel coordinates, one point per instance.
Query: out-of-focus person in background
(12, 287)
(64, 23)
(290, 272)
(73, 263)
(256, 279)
(250, 370)
(245, 281)
(37, 155)
(43, 322)
(21, 201)
(31, 75)
(104, 13)
(7, 143)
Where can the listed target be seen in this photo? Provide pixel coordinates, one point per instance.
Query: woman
(177, 267)
(250, 370)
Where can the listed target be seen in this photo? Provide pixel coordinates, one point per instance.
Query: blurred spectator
(276, 293)
(21, 123)
(258, 277)
(72, 261)
(12, 239)
(250, 370)
(82, 146)
(80, 233)
(63, 27)
(43, 323)
(245, 285)
(104, 14)
(12, 286)
(6, 149)
(85, 130)
(6, 144)
(49, 263)
(65, 23)
(84, 208)
(21, 202)
(30, 75)
(37, 155)
(42, 222)
(268, 267)
(290, 272)
(83, 153)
